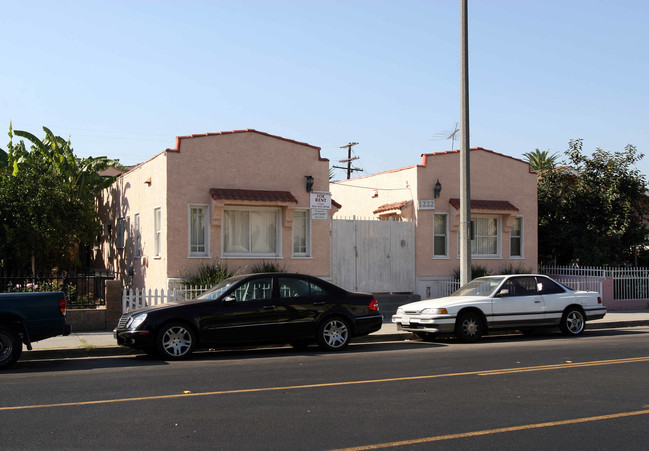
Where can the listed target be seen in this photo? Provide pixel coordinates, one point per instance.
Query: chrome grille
(122, 321)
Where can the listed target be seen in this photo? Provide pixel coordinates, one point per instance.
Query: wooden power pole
(348, 160)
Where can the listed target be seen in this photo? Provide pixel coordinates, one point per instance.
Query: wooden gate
(374, 256)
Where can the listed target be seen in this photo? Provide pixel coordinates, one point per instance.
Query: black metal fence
(82, 290)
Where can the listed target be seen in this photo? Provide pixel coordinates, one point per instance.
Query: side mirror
(503, 292)
(229, 299)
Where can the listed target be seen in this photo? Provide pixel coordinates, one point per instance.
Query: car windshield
(217, 290)
(483, 286)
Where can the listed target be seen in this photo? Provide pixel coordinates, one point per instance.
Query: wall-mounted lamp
(437, 189)
(309, 183)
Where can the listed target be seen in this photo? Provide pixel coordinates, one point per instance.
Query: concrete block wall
(100, 319)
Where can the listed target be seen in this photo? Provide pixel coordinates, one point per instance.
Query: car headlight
(435, 311)
(135, 321)
(399, 311)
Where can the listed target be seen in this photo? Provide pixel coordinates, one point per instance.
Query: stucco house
(503, 211)
(239, 198)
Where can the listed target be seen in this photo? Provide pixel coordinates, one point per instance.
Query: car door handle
(319, 303)
(537, 302)
(268, 307)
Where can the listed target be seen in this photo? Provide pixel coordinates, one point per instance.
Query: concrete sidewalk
(96, 344)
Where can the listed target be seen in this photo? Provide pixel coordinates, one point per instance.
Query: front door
(250, 314)
(521, 305)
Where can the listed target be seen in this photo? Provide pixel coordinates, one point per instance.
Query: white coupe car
(522, 301)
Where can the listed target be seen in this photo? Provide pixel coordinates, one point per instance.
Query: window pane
(485, 240)
(197, 231)
(264, 231)
(157, 225)
(440, 225)
(236, 231)
(440, 236)
(255, 289)
(317, 290)
(300, 232)
(516, 237)
(292, 288)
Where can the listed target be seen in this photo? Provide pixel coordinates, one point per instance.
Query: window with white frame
(301, 233)
(136, 235)
(198, 231)
(516, 240)
(251, 232)
(157, 231)
(485, 237)
(440, 235)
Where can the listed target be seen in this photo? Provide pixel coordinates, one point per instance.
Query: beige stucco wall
(493, 177)
(361, 196)
(139, 191)
(250, 161)
(184, 175)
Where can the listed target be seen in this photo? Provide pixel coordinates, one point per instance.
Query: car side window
(254, 290)
(521, 286)
(318, 290)
(548, 286)
(290, 287)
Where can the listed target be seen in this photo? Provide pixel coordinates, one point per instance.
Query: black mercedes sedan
(253, 309)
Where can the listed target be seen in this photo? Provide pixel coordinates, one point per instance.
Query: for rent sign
(321, 200)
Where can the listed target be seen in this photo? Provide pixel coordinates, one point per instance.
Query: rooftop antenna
(449, 134)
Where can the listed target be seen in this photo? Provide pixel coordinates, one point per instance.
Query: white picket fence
(135, 298)
(629, 283)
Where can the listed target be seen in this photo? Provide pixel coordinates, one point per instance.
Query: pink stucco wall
(493, 177)
(185, 174)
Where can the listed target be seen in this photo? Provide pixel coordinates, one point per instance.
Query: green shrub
(208, 275)
(476, 271)
(511, 269)
(265, 266)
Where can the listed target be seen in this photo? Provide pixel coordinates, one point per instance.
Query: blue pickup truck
(29, 317)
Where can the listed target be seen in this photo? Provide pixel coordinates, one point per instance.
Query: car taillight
(374, 305)
(62, 305)
(599, 300)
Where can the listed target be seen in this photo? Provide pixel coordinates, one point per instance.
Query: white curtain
(263, 232)
(253, 231)
(236, 229)
(486, 236)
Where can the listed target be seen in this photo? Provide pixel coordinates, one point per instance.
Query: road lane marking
(338, 384)
(439, 438)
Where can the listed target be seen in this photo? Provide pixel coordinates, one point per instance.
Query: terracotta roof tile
(251, 195)
(392, 206)
(501, 205)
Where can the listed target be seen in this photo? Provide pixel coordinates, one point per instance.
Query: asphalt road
(508, 392)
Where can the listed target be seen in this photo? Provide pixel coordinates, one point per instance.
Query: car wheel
(469, 327)
(175, 341)
(333, 334)
(10, 346)
(572, 322)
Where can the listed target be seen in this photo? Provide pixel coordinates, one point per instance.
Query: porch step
(388, 303)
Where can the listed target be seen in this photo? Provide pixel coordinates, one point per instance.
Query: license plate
(405, 320)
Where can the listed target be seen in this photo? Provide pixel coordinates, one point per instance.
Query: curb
(76, 353)
(109, 351)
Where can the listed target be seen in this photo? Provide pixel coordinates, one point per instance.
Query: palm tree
(541, 160)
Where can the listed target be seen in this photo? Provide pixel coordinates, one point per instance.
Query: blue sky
(124, 78)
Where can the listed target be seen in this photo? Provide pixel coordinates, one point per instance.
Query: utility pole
(465, 151)
(349, 160)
